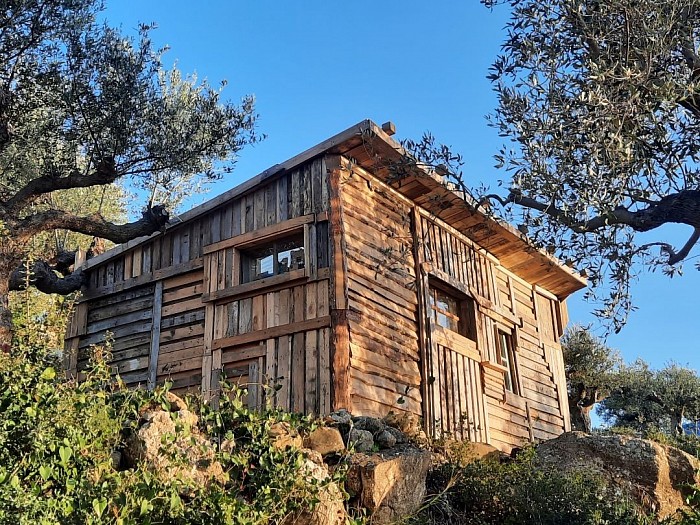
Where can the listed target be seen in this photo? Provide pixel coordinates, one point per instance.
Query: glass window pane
(290, 254)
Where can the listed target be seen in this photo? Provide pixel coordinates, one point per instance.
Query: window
(452, 311)
(506, 358)
(274, 258)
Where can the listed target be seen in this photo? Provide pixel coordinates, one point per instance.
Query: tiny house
(335, 280)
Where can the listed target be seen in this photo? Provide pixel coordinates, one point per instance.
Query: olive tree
(82, 106)
(601, 100)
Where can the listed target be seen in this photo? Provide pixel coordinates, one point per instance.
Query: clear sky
(317, 67)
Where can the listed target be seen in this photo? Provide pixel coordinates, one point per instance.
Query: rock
(372, 425)
(407, 423)
(385, 439)
(391, 484)
(173, 446)
(284, 436)
(361, 440)
(399, 436)
(341, 417)
(330, 509)
(655, 476)
(325, 440)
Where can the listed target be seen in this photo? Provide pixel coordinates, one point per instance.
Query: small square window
(452, 312)
(506, 358)
(275, 258)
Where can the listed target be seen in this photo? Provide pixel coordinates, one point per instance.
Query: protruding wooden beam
(389, 128)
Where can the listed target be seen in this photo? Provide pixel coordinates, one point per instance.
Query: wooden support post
(207, 364)
(424, 342)
(155, 335)
(340, 326)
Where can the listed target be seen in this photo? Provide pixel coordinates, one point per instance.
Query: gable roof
(374, 150)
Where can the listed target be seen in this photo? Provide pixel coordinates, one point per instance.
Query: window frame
(507, 358)
(245, 258)
(466, 309)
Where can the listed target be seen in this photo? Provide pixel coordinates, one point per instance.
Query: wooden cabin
(335, 280)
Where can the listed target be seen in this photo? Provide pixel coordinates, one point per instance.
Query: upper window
(506, 357)
(274, 258)
(453, 312)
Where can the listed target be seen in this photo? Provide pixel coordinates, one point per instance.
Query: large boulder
(389, 484)
(170, 443)
(655, 476)
(330, 509)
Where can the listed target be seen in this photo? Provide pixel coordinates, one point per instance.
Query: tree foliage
(649, 400)
(592, 371)
(82, 106)
(601, 99)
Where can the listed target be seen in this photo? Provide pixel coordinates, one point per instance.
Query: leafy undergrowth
(520, 492)
(57, 441)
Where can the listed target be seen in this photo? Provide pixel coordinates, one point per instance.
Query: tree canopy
(601, 100)
(82, 106)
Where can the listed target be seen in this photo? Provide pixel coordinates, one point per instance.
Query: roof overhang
(376, 151)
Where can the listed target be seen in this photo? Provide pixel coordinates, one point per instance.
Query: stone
(407, 423)
(340, 417)
(330, 509)
(399, 436)
(370, 424)
(284, 436)
(385, 439)
(325, 440)
(173, 446)
(390, 484)
(360, 440)
(656, 476)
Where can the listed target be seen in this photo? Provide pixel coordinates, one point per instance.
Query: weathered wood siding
(383, 321)
(531, 316)
(173, 304)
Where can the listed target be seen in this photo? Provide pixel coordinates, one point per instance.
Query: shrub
(57, 440)
(522, 492)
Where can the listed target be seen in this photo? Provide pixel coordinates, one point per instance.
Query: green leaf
(145, 507)
(48, 374)
(175, 502)
(65, 453)
(45, 472)
(99, 506)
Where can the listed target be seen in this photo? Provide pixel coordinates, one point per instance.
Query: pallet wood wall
(164, 290)
(383, 328)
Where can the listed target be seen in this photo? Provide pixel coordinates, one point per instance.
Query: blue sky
(317, 67)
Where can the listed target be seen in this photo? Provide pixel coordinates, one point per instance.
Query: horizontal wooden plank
(276, 331)
(276, 281)
(261, 235)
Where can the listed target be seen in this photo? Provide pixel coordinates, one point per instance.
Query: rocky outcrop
(171, 443)
(655, 476)
(389, 484)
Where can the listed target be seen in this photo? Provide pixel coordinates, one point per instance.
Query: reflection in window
(453, 313)
(276, 258)
(506, 357)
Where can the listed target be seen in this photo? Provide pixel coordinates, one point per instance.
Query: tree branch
(105, 173)
(153, 219)
(44, 278)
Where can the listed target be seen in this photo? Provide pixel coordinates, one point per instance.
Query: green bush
(521, 492)
(56, 466)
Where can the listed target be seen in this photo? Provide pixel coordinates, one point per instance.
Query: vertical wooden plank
(272, 318)
(207, 364)
(167, 251)
(177, 247)
(232, 317)
(311, 353)
(316, 189)
(284, 355)
(295, 204)
(282, 199)
(271, 204)
(155, 334)
(253, 385)
(248, 213)
(245, 316)
(196, 239)
(156, 256)
(307, 203)
(136, 268)
(128, 262)
(70, 358)
(185, 244)
(324, 371)
(258, 315)
(236, 217)
(325, 192)
(298, 349)
(260, 213)
(215, 226)
(146, 265)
